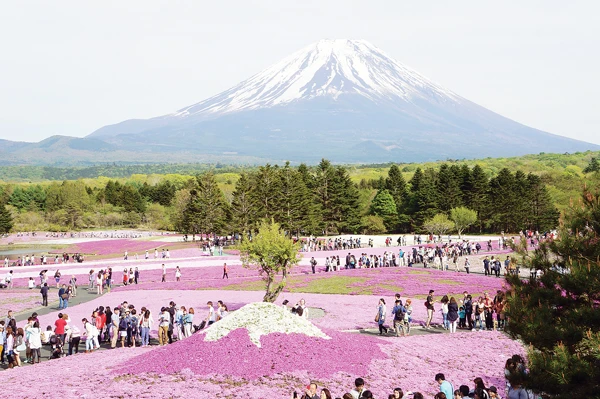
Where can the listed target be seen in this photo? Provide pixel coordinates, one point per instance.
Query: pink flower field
(19, 301)
(116, 246)
(342, 304)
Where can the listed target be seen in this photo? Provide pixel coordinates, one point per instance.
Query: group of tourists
(446, 390)
(479, 314)
(312, 244)
(120, 326)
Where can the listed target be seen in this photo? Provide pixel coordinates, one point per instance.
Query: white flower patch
(262, 318)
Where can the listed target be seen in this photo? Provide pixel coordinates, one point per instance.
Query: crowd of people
(446, 389)
(479, 314)
(120, 326)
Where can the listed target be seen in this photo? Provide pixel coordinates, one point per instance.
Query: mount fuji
(345, 100)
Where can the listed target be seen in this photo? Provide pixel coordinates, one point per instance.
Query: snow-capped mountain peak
(326, 68)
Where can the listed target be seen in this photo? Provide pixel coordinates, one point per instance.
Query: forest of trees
(321, 199)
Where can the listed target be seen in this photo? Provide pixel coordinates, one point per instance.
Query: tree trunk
(272, 293)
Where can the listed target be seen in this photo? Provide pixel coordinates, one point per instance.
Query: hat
(493, 389)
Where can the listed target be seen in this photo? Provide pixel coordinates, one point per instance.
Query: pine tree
(449, 194)
(294, 200)
(213, 207)
(396, 186)
(265, 191)
(477, 197)
(6, 221)
(558, 315)
(242, 212)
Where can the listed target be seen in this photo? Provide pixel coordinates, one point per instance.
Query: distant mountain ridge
(344, 100)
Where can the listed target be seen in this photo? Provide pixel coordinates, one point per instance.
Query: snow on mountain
(345, 100)
(326, 68)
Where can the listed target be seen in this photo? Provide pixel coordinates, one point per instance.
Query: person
(188, 321)
(445, 386)
(146, 322)
(61, 295)
(31, 283)
(57, 278)
(73, 285)
(35, 341)
(488, 309)
(493, 392)
(46, 335)
(479, 385)
(452, 314)
(59, 327)
(177, 274)
(73, 336)
(444, 309)
(311, 392)
(210, 317)
(99, 285)
(44, 291)
(398, 393)
(380, 317)
(430, 309)
(313, 264)
(19, 346)
(124, 326)
(366, 395)
(164, 273)
(304, 308)
(325, 394)
(114, 327)
(163, 326)
(399, 312)
(90, 330)
(9, 348)
(359, 387)
(136, 275)
(468, 304)
(225, 274)
(467, 265)
(408, 315)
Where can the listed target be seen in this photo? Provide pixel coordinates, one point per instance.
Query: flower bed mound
(235, 355)
(260, 318)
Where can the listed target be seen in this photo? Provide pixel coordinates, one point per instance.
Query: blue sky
(70, 67)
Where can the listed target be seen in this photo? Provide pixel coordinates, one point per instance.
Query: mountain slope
(340, 99)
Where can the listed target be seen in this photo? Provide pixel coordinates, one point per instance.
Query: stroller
(57, 348)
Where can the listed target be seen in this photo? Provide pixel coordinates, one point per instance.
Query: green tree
(373, 224)
(294, 210)
(438, 225)
(383, 205)
(593, 166)
(272, 253)
(449, 194)
(6, 220)
(211, 205)
(564, 355)
(265, 191)
(242, 211)
(396, 185)
(462, 218)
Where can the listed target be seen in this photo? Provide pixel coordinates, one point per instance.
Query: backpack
(427, 304)
(399, 315)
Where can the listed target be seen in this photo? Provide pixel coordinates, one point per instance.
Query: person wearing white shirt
(211, 317)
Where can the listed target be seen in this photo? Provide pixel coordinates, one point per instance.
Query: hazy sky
(70, 67)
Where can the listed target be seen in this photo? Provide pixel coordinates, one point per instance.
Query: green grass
(328, 285)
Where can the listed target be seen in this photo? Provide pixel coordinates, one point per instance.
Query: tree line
(321, 199)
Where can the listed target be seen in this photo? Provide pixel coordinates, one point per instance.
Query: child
(46, 335)
(462, 323)
(31, 283)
